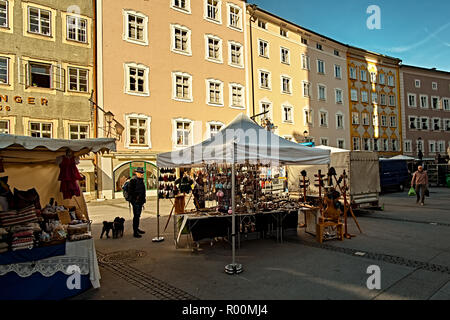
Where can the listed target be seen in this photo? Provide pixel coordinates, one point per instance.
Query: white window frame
(319, 61)
(369, 144)
(361, 73)
(78, 20)
(391, 81)
(432, 145)
(308, 116)
(434, 86)
(174, 86)
(409, 100)
(6, 15)
(417, 83)
(69, 68)
(269, 79)
(174, 133)
(446, 124)
(284, 32)
(446, 104)
(357, 122)
(354, 95)
(364, 96)
(78, 125)
(188, 51)
(383, 121)
(373, 77)
(306, 62)
(239, 27)
(341, 101)
(374, 98)
(353, 74)
(7, 70)
(393, 121)
(394, 145)
(262, 109)
(308, 85)
(428, 123)
(40, 22)
(213, 123)
(327, 124)
(413, 119)
(365, 116)
(427, 102)
(432, 100)
(382, 78)
(8, 126)
(407, 146)
(262, 24)
(339, 141)
(288, 62)
(146, 69)
(440, 146)
(215, 38)
(242, 88)
(337, 74)
(440, 124)
(319, 86)
(183, 10)
(392, 100)
(242, 56)
(385, 144)
(340, 114)
(40, 128)
(289, 79)
(289, 107)
(322, 139)
(383, 100)
(218, 14)
(221, 88)
(126, 26)
(356, 146)
(267, 50)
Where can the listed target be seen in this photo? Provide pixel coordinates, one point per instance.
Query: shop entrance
(125, 171)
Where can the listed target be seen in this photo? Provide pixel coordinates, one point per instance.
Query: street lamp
(109, 117)
(305, 134)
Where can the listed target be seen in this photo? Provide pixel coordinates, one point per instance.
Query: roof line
(426, 69)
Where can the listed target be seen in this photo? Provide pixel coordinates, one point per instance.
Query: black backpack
(125, 192)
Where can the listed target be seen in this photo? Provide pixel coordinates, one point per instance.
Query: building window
(4, 126)
(413, 123)
(214, 49)
(264, 79)
(392, 101)
(236, 54)
(434, 85)
(306, 62)
(339, 96)
(183, 133)
(262, 24)
(364, 96)
(432, 146)
(393, 121)
(213, 10)
(436, 124)
(441, 146)
(78, 79)
(383, 99)
(337, 71)
(234, 15)
(181, 40)
(394, 145)
(446, 104)
(322, 92)
(138, 133)
(425, 123)
(286, 85)
(373, 77)
(323, 119)
(324, 141)
(447, 124)
(308, 117)
(304, 41)
(424, 102)
(366, 144)
(384, 121)
(287, 114)
(320, 66)
(382, 78)
(136, 27)
(181, 4)
(336, 53)
(339, 121)
(306, 89)
(285, 55)
(354, 94)
(78, 131)
(214, 128)
(4, 16)
(365, 119)
(412, 100)
(40, 75)
(237, 96)
(408, 146)
(77, 29)
(215, 89)
(375, 120)
(266, 108)
(263, 49)
(434, 103)
(319, 46)
(341, 143)
(182, 87)
(391, 81)
(137, 79)
(376, 145)
(41, 130)
(4, 70)
(356, 143)
(420, 145)
(363, 75)
(283, 32)
(355, 118)
(39, 21)
(385, 144)
(353, 73)
(417, 83)
(374, 98)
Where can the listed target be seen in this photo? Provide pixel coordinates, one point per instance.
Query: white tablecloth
(78, 253)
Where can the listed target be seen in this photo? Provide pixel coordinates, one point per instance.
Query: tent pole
(158, 237)
(233, 268)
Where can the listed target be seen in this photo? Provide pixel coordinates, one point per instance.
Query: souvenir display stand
(46, 245)
(230, 163)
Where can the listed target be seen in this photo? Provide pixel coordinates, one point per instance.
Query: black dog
(117, 228)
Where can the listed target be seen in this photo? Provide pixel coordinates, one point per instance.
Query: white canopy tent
(242, 141)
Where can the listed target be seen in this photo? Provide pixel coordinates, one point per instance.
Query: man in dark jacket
(137, 194)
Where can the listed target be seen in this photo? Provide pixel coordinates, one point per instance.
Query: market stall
(45, 235)
(231, 165)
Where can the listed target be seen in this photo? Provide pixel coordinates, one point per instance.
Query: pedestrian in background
(137, 194)
(420, 184)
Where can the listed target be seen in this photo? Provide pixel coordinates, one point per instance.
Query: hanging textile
(69, 175)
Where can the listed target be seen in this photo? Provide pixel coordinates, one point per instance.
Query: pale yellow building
(172, 73)
(300, 78)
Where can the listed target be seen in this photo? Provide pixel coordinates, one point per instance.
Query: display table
(47, 278)
(202, 227)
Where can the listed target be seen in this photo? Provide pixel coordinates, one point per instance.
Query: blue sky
(418, 32)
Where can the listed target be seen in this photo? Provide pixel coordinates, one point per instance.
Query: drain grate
(377, 256)
(117, 263)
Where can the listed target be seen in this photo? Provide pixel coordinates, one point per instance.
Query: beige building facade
(172, 73)
(47, 71)
(300, 78)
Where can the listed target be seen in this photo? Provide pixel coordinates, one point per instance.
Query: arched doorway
(125, 171)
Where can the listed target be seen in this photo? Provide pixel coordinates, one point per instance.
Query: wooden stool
(322, 225)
